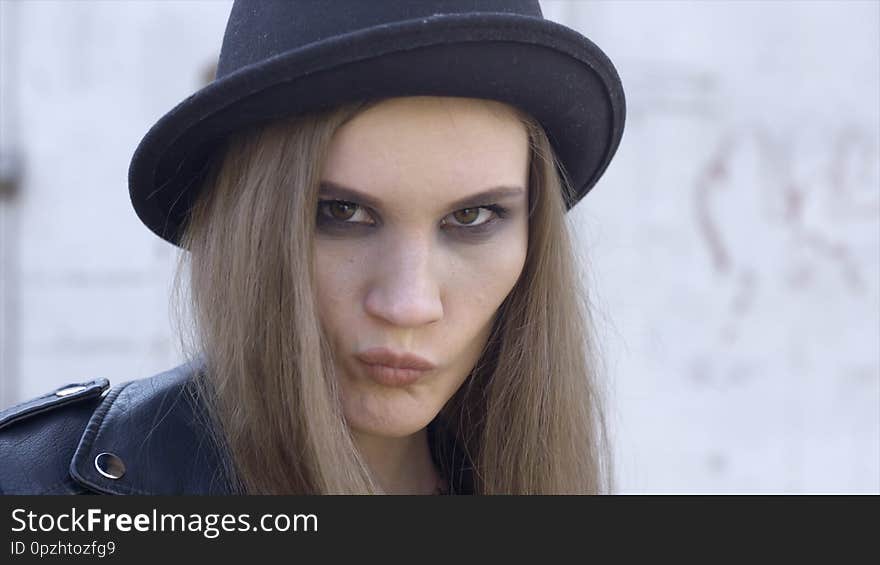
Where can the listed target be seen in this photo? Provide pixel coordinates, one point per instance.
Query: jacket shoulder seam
(62, 396)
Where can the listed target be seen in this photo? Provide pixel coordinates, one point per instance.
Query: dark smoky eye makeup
(333, 216)
(326, 216)
(485, 229)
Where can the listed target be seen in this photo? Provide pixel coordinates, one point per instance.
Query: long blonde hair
(529, 418)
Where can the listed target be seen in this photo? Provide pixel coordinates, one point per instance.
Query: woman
(384, 293)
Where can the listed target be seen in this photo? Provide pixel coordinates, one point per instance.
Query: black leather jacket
(139, 437)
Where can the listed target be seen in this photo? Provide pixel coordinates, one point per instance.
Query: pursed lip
(390, 358)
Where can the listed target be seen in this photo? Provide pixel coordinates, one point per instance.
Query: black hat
(285, 57)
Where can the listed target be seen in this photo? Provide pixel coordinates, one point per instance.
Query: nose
(405, 291)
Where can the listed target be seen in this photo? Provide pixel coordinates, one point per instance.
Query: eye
(340, 211)
(467, 217)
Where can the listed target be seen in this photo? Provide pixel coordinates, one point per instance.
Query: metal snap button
(110, 465)
(66, 391)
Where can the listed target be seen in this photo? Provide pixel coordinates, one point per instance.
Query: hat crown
(260, 30)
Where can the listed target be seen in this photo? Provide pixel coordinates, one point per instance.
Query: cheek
(336, 277)
(489, 272)
(484, 278)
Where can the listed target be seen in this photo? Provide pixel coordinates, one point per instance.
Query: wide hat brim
(548, 70)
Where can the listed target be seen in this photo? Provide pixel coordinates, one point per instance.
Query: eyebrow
(335, 190)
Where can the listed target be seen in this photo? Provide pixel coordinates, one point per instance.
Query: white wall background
(733, 245)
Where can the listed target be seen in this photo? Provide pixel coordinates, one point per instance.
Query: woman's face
(421, 233)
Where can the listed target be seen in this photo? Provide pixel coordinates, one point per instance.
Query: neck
(401, 465)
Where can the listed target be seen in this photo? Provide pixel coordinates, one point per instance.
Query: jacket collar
(151, 434)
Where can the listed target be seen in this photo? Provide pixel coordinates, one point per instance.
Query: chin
(395, 415)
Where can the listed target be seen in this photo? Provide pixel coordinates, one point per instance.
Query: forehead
(437, 147)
